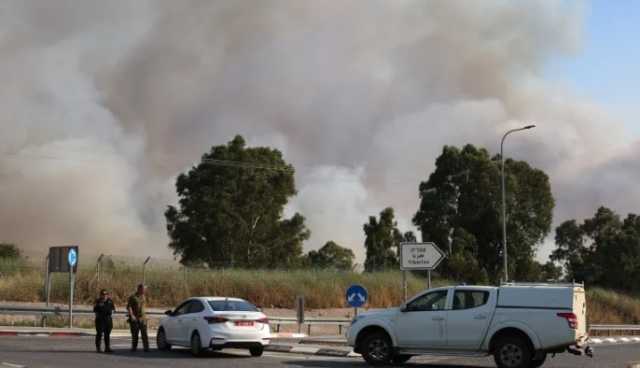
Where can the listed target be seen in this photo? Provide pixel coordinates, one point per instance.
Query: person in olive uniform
(137, 318)
(103, 308)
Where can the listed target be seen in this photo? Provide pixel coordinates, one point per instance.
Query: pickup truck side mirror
(169, 313)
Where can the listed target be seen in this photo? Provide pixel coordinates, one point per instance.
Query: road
(70, 352)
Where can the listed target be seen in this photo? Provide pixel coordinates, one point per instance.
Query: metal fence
(277, 322)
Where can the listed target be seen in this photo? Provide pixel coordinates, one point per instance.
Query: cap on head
(104, 292)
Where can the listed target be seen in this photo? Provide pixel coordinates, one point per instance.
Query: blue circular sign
(72, 257)
(357, 296)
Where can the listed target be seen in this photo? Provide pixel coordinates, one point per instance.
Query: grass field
(168, 285)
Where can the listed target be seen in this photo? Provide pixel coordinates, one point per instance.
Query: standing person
(103, 308)
(138, 318)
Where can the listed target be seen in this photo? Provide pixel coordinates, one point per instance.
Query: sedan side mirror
(169, 312)
(403, 308)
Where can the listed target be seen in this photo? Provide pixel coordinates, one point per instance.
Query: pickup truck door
(469, 318)
(422, 323)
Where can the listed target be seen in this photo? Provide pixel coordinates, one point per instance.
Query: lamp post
(504, 201)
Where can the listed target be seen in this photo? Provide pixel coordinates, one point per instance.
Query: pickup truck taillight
(212, 320)
(571, 318)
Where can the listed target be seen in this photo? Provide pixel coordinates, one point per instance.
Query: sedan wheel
(256, 351)
(196, 346)
(161, 341)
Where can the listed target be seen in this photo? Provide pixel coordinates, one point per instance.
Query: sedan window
(429, 302)
(232, 305)
(182, 309)
(195, 307)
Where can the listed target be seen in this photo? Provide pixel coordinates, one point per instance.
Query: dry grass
(605, 306)
(269, 289)
(168, 286)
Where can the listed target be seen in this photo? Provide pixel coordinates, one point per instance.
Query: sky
(605, 68)
(105, 103)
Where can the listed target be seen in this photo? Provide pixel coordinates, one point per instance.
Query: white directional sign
(420, 256)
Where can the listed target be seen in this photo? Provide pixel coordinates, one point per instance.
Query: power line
(245, 165)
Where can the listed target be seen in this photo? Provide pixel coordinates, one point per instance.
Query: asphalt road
(59, 352)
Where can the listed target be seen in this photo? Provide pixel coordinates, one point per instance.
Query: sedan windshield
(232, 305)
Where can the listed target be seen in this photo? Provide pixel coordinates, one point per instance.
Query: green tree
(382, 241)
(9, 251)
(603, 250)
(463, 213)
(331, 255)
(230, 210)
(571, 251)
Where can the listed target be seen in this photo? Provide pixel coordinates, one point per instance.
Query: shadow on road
(153, 354)
(336, 364)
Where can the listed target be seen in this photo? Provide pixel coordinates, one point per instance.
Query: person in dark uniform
(103, 308)
(136, 307)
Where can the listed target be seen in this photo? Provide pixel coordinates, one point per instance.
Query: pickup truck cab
(516, 323)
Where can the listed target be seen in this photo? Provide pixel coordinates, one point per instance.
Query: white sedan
(215, 323)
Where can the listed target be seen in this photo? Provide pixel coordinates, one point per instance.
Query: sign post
(72, 258)
(357, 296)
(300, 311)
(419, 256)
(63, 259)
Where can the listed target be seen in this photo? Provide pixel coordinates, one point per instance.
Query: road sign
(357, 296)
(72, 257)
(420, 256)
(59, 258)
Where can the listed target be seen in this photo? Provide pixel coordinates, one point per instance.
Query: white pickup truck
(519, 324)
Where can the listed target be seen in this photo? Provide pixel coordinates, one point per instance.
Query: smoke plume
(104, 103)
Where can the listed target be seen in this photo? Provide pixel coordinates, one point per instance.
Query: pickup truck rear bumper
(581, 347)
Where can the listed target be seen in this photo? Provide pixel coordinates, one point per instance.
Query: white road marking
(11, 365)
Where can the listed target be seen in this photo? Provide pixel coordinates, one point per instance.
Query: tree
(9, 251)
(603, 250)
(571, 251)
(463, 213)
(382, 241)
(230, 210)
(331, 255)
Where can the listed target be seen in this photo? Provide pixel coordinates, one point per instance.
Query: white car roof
(214, 298)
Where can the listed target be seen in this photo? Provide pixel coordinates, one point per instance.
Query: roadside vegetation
(269, 289)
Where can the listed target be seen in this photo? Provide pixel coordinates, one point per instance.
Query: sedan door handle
(480, 316)
(437, 319)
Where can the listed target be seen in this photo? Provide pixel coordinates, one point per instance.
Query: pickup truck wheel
(400, 358)
(535, 363)
(376, 349)
(512, 352)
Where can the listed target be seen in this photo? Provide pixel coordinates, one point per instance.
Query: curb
(308, 350)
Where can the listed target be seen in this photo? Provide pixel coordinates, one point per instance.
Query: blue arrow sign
(357, 296)
(72, 257)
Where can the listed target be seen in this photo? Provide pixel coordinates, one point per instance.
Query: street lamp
(504, 201)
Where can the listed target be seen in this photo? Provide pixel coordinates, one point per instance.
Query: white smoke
(104, 103)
